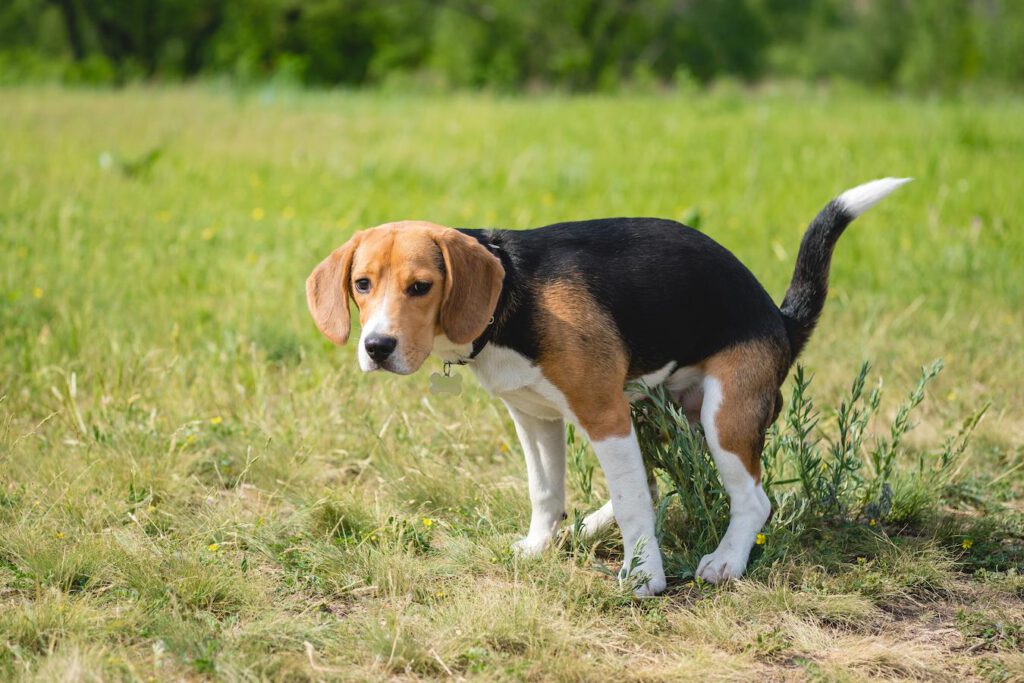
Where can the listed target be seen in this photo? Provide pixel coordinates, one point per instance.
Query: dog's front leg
(631, 503)
(543, 444)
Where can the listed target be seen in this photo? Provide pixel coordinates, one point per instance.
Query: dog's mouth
(392, 365)
(403, 358)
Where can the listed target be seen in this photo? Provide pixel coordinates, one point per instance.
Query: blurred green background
(922, 45)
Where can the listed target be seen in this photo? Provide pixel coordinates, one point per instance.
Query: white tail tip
(861, 198)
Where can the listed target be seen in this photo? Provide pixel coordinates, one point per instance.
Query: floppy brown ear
(472, 285)
(328, 289)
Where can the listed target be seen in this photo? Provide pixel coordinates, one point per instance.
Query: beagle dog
(556, 321)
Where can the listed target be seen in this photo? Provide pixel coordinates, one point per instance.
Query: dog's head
(412, 281)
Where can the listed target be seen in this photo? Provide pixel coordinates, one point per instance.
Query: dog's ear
(472, 284)
(328, 289)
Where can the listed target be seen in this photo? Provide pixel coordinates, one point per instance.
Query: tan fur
(584, 357)
(328, 289)
(393, 256)
(750, 375)
(472, 286)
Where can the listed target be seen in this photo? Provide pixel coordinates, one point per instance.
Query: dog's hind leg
(543, 444)
(740, 389)
(598, 520)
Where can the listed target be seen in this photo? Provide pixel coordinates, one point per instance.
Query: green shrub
(821, 470)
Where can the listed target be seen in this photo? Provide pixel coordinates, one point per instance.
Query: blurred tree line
(512, 44)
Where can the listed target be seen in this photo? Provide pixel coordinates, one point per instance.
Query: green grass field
(195, 484)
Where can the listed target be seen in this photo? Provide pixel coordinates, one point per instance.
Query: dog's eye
(418, 288)
(362, 285)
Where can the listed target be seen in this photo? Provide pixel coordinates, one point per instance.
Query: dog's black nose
(380, 346)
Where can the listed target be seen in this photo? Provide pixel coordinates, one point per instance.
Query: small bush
(821, 471)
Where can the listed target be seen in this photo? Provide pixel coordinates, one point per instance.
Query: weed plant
(826, 471)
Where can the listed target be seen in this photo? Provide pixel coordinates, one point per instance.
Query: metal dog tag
(446, 383)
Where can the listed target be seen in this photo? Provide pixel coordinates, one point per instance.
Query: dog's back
(673, 293)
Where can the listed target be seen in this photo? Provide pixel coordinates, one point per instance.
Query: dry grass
(194, 485)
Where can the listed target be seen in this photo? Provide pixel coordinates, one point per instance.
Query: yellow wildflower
(257, 214)
(59, 534)
(427, 522)
(872, 522)
(216, 420)
(761, 538)
(966, 545)
(37, 292)
(213, 547)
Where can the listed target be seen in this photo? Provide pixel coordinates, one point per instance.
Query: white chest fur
(513, 378)
(510, 376)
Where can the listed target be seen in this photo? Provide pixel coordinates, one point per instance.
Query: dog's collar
(480, 342)
(478, 345)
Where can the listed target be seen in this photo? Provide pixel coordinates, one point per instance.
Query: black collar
(478, 345)
(480, 342)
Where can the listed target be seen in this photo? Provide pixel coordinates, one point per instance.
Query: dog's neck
(449, 351)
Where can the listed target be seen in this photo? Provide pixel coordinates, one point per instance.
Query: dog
(556, 321)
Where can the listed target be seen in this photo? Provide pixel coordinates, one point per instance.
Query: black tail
(807, 291)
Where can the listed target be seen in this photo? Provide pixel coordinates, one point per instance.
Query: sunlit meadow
(195, 484)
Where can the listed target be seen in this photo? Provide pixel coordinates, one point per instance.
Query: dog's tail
(806, 294)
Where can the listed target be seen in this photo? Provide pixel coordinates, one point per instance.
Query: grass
(194, 484)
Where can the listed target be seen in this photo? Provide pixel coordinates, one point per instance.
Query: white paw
(531, 546)
(721, 565)
(647, 576)
(597, 521)
(651, 588)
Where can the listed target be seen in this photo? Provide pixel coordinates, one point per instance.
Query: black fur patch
(674, 293)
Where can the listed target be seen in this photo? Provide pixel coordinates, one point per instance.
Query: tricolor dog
(556, 321)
